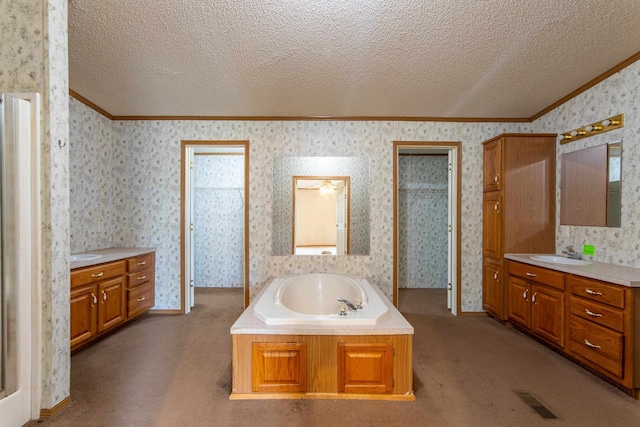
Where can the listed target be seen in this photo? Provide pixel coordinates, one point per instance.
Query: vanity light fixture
(606, 125)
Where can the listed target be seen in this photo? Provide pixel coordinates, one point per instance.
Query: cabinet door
(365, 368)
(518, 305)
(111, 310)
(492, 287)
(83, 315)
(547, 314)
(492, 225)
(279, 367)
(492, 170)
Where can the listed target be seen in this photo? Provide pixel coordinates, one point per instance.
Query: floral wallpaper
(219, 220)
(91, 189)
(619, 94)
(423, 220)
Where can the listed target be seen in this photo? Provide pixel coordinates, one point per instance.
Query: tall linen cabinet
(518, 208)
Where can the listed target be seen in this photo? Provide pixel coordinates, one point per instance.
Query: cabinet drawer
(140, 299)
(140, 277)
(537, 274)
(600, 346)
(597, 291)
(141, 262)
(599, 313)
(81, 276)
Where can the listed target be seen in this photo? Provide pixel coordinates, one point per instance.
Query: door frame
(185, 146)
(456, 202)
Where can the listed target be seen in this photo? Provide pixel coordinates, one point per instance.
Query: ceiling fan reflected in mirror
(326, 186)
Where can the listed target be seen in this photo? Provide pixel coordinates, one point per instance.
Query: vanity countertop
(619, 274)
(110, 254)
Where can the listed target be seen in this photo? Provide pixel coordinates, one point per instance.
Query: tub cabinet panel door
(279, 367)
(365, 368)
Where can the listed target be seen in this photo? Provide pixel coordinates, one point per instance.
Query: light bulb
(561, 137)
(574, 132)
(606, 122)
(588, 128)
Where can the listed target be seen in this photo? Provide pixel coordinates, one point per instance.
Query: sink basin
(83, 257)
(559, 259)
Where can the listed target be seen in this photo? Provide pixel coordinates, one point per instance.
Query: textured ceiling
(383, 58)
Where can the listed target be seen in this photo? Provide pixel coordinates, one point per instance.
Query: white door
(189, 231)
(341, 219)
(16, 271)
(452, 232)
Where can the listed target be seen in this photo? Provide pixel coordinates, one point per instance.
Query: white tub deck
(393, 324)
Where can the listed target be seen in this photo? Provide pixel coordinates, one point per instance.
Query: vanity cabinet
(97, 301)
(593, 322)
(601, 328)
(518, 210)
(108, 295)
(536, 301)
(140, 284)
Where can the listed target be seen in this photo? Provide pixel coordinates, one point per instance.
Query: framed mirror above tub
(591, 186)
(349, 173)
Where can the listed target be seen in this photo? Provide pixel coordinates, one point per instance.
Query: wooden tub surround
(322, 362)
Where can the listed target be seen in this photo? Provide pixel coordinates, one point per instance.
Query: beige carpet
(176, 371)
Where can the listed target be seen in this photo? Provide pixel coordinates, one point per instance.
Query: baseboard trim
(152, 311)
(473, 314)
(47, 413)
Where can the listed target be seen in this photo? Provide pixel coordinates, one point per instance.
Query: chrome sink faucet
(571, 253)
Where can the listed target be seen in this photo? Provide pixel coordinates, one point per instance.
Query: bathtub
(311, 299)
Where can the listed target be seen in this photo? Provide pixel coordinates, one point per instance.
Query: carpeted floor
(176, 371)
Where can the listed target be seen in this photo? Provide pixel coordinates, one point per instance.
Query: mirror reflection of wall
(321, 215)
(591, 186)
(285, 168)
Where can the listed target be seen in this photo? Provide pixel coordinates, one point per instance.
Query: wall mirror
(591, 186)
(296, 187)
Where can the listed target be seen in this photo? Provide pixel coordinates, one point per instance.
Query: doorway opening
(427, 221)
(214, 217)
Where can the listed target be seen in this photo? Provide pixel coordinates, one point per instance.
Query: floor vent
(535, 404)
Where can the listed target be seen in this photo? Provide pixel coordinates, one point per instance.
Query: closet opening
(214, 217)
(427, 182)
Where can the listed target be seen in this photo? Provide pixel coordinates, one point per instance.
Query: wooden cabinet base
(589, 321)
(107, 296)
(384, 365)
